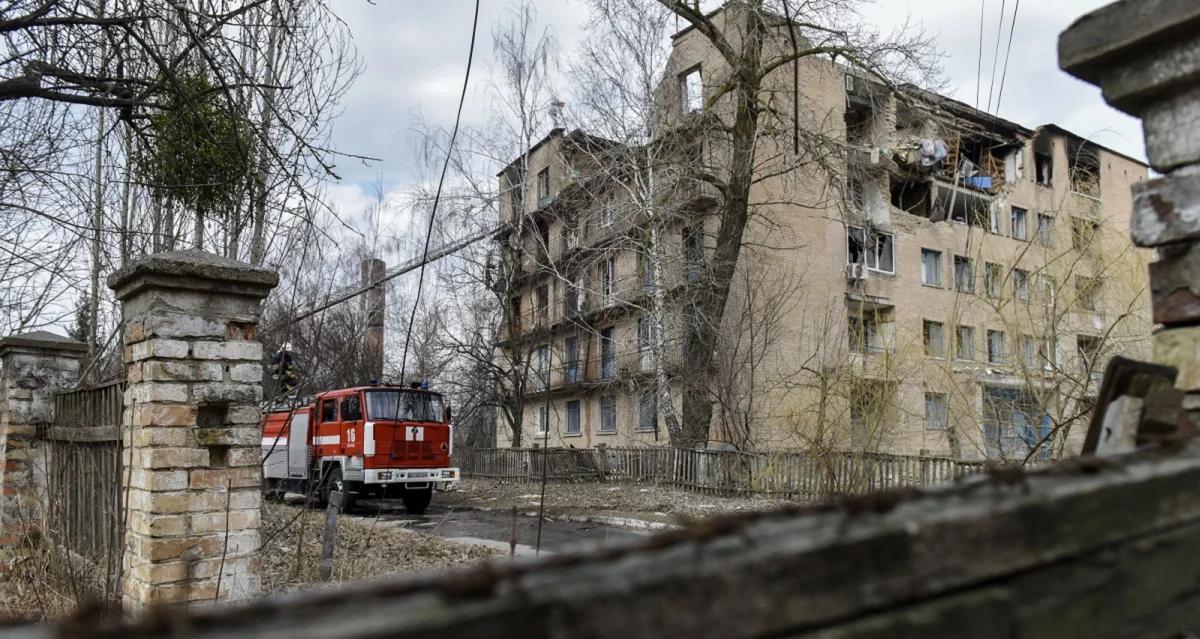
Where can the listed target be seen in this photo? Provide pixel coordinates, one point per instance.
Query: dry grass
(366, 548)
(645, 500)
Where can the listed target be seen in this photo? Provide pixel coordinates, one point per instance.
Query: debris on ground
(649, 502)
(367, 547)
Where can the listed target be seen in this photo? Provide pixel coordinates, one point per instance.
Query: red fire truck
(383, 442)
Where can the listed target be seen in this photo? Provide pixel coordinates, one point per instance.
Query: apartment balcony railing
(597, 371)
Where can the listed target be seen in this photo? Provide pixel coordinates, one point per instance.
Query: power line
(350, 293)
(996, 56)
(1008, 52)
(438, 196)
(979, 60)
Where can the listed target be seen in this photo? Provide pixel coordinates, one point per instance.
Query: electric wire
(1007, 53)
(438, 195)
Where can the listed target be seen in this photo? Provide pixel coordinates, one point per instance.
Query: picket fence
(788, 474)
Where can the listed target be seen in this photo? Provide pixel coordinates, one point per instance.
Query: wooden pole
(329, 537)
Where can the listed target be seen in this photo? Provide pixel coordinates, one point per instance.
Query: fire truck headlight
(448, 474)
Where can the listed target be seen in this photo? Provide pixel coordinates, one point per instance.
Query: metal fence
(83, 512)
(790, 474)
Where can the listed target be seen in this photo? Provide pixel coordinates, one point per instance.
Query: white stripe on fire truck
(326, 440)
(268, 442)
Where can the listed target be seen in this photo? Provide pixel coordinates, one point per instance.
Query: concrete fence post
(33, 366)
(1145, 57)
(191, 437)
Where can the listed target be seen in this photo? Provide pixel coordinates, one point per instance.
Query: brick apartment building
(949, 283)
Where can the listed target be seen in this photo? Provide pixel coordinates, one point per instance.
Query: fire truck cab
(382, 442)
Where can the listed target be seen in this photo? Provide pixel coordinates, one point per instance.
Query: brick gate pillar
(1143, 55)
(33, 366)
(191, 433)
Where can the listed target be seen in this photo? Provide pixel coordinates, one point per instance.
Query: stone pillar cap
(193, 270)
(1099, 43)
(42, 341)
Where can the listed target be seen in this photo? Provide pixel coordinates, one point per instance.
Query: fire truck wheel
(334, 483)
(416, 501)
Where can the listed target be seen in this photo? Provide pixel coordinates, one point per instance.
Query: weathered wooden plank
(948, 559)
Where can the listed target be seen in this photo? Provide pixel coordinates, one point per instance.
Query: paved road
(495, 528)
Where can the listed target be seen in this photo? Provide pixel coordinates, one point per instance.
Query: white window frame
(931, 275)
(996, 356)
(541, 421)
(959, 341)
(1022, 214)
(873, 253)
(600, 402)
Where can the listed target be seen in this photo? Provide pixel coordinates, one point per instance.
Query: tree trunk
(704, 324)
(259, 186)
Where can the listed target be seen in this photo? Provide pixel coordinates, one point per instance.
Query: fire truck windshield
(405, 405)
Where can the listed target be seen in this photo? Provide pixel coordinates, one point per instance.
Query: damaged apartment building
(952, 285)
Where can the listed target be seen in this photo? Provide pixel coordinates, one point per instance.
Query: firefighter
(282, 368)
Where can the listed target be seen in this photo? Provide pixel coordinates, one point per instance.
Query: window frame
(689, 103)
(935, 271)
(1021, 215)
(543, 187)
(996, 356)
(643, 404)
(945, 411)
(607, 413)
(1045, 232)
(574, 418)
(969, 266)
(959, 341)
(1020, 280)
(937, 350)
(344, 411)
(881, 240)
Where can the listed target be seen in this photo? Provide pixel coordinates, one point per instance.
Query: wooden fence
(790, 474)
(83, 511)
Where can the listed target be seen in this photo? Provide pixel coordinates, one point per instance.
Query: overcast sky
(414, 53)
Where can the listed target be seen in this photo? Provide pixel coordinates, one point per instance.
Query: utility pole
(373, 271)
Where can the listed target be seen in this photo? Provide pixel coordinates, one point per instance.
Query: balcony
(596, 372)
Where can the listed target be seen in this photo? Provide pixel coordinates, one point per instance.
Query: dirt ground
(366, 548)
(649, 502)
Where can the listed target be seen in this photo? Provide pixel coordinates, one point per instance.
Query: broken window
(543, 187)
(1083, 163)
(867, 332)
(935, 343)
(1043, 161)
(1020, 223)
(964, 274)
(1088, 347)
(936, 415)
(910, 197)
(1087, 292)
(1020, 284)
(860, 118)
(870, 247)
(1045, 230)
(993, 225)
(995, 347)
(543, 236)
(966, 343)
(691, 88)
(931, 267)
(994, 279)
